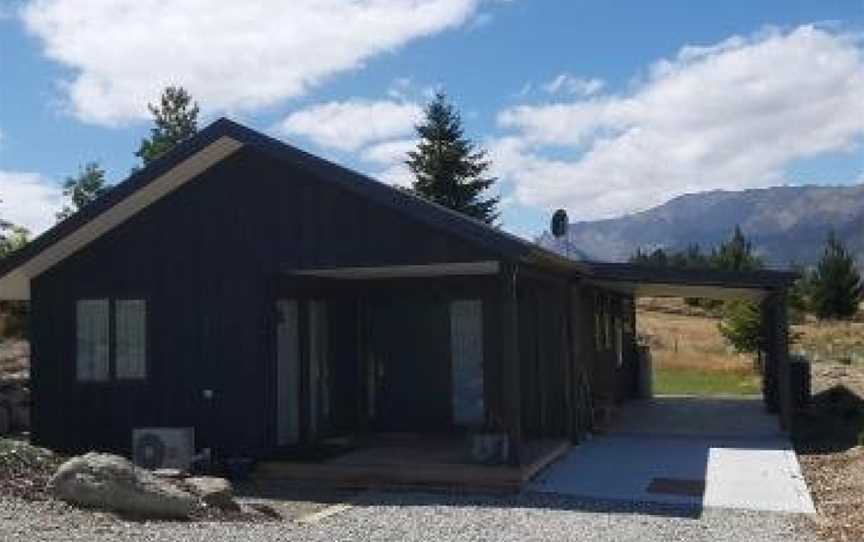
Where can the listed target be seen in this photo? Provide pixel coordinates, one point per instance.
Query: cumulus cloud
(29, 200)
(378, 133)
(389, 152)
(566, 83)
(352, 124)
(731, 115)
(242, 56)
(396, 174)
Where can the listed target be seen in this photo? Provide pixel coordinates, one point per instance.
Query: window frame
(112, 377)
(91, 380)
(113, 341)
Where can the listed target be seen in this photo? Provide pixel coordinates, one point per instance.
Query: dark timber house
(273, 300)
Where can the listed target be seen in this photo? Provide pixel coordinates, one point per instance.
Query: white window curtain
(130, 336)
(92, 337)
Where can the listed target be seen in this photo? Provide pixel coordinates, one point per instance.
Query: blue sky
(601, 107)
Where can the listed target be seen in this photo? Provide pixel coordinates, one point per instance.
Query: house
(272, 301)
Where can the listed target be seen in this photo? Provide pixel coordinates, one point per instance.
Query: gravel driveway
(423, 516)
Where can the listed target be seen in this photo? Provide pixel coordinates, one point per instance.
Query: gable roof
(224, 137)
(207, 148)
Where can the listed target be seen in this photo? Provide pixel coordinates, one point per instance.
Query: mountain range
(787, 224)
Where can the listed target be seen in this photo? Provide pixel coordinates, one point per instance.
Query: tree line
(831, 290)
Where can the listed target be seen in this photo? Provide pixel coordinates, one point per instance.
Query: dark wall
(544, 357)
(610, 381)
(205, 258)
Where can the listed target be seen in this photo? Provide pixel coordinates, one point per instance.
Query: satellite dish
(560, 223)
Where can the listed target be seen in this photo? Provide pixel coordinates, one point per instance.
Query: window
(130, 333)
(104, 352)
(92, 337)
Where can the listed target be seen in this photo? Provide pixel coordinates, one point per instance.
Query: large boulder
(111, 482)
(213, 491)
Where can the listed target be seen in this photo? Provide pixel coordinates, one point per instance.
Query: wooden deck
(415, 461)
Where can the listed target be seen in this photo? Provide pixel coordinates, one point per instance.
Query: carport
(766, 287)
(695, 452)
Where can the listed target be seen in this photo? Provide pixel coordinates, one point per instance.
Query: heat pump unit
(163, 447)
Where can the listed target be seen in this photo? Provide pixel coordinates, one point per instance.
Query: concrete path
(705, 453)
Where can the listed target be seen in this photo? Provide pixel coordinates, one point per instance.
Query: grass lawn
(678, 381)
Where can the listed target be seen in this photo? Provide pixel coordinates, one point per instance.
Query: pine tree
(175, 120)
(80, 190)
(741, 321)
(742, 326)
(836, 285)
(448, 168)
(736, 254)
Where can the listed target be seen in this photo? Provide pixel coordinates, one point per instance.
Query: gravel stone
(380, 516)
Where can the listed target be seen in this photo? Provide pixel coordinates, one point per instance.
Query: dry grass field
(689, 355)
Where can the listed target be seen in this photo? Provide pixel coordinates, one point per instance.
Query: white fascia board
(16, 283)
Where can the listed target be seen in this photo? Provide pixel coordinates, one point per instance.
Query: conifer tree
(736, 254)
(175, 119)
(448, 168)
(836, 286)
(742, 326)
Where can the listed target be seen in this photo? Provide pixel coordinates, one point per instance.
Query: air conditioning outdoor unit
(163, 447)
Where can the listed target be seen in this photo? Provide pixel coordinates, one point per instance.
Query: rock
(110, 482)
(213, 491)
(171, 474)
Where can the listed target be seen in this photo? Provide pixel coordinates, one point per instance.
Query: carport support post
(776, 383)
(510, 402)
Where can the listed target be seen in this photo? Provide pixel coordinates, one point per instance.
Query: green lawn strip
(695, 382)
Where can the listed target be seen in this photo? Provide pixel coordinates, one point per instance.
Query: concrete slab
(738, 452)
(737, 417)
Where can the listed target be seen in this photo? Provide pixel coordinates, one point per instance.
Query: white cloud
(29, 200)
(352, 124)
(570, 84)
(389, 152)
(241, 56)
(731, 115)
(396, 174)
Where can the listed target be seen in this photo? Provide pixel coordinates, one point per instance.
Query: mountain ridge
(787, 224)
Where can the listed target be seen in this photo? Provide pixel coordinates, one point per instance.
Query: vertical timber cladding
(287, 374)
(544, 356)
(581, 358)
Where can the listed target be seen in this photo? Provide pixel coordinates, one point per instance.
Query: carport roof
(647, 281)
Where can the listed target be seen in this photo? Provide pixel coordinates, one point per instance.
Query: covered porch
(401, 375)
